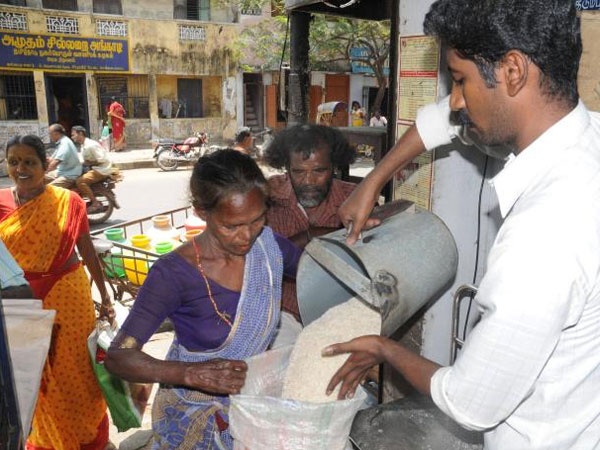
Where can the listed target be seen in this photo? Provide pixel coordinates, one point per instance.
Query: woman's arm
(218, 376)
(90, 259)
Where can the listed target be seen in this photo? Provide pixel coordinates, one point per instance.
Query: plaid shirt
(288, 218)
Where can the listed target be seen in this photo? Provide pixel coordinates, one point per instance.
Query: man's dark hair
(242, 134)
(222, 173)
(306, 139)
(32, 141)
(79, 129)
(58, 128)
(546, 31)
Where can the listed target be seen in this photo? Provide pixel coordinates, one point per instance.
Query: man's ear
(515, 69)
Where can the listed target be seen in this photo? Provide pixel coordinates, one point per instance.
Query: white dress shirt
(529, 373)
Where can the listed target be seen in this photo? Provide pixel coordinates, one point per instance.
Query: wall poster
(418, 67)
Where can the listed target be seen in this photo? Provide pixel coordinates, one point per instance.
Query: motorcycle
(105, 194)
(168, 153)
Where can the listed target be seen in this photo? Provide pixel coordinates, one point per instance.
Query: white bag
(260, 419)
(29, 330)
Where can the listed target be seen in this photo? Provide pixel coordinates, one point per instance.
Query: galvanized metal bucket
(395, 268)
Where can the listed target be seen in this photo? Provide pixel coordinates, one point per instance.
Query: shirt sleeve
(433, 124)
(157, 299)
(291, 256)
(531, 292)
(10, 273)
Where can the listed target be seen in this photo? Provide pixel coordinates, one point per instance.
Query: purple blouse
(175, 289)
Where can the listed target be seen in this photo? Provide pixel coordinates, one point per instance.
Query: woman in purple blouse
(222, 292)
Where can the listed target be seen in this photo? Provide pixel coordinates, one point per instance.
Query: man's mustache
(461, 117)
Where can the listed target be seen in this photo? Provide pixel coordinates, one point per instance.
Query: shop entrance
(67, 101)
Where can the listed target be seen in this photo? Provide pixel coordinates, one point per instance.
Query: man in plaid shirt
(304, 200)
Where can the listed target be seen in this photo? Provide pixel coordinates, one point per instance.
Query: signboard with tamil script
(63, 53)
(585, 5)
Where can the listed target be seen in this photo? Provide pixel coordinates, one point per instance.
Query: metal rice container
(395, 268)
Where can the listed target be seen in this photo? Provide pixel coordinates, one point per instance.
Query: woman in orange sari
(116, 114)
(41, 225)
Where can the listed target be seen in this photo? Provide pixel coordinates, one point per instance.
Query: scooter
(168, 153)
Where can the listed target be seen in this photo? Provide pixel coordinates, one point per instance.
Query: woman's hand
(107, 311)
(354, 212)
(366, 352)
(218, 376)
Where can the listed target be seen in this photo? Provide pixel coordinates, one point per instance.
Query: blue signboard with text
(584, 5)
(357, 57)
(62, 52)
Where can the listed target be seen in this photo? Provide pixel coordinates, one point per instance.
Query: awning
(356, 9)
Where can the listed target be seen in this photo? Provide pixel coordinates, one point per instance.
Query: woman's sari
(117, 116)
(41, 235)
(187, 419)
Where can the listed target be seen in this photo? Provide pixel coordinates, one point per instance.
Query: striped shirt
(288, 218)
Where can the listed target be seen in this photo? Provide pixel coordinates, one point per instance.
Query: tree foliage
(331, 42)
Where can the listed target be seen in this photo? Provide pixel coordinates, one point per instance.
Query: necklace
(224, 316)
(19, 201)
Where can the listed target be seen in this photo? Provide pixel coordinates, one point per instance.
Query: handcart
(125, 267)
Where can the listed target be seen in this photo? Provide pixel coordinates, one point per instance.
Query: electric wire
(477, 244)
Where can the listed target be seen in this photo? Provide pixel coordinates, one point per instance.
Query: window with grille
(189, 98)
(13, 2)
(108, 7)
(192, 9)
(17, 97)
(131, 92)
(67, 5)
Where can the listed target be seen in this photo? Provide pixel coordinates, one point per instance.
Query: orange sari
(41, 235)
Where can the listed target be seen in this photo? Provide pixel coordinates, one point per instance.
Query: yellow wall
(154, 44)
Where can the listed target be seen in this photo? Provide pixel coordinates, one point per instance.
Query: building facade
(170, 63)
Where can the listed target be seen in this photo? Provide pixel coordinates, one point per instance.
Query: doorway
(67, 101)
(253, 101)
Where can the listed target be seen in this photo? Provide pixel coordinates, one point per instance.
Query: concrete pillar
(93, 106)
(34, 4)
(153, 106)
(85, 5)
(41, 102)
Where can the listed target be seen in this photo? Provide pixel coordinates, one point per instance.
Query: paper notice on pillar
(588, 80)
(419, 60)
(29, 329)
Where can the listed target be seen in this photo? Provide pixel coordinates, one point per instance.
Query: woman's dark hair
(32, 141)
(222, 173)
(307, 139)
(546, 31)
(355, 103)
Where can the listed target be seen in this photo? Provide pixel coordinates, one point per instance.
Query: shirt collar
(537, 158)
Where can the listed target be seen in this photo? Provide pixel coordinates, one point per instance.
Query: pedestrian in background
(116, 115)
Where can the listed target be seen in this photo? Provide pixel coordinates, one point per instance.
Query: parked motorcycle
(105, 194)
(168, 153)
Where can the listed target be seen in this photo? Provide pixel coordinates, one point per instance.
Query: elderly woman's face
(237, 221)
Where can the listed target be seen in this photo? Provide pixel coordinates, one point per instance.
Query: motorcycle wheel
(166, 161)
(107, 210)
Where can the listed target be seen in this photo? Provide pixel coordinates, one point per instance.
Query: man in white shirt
(529, 373)
(96, 157)
(378, 120)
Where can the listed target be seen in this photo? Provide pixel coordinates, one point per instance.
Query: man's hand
(354, 212)
(366, 352)
(218, 376)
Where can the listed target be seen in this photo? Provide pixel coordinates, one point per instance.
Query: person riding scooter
(95, 157)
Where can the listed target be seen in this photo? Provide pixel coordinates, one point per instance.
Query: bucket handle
(345, 273)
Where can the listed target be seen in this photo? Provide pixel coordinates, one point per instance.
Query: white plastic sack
(260, 419)
(29, 330)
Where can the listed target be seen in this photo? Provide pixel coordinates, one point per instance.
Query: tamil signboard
(357, 57)
(63, 53)
(585, 5)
